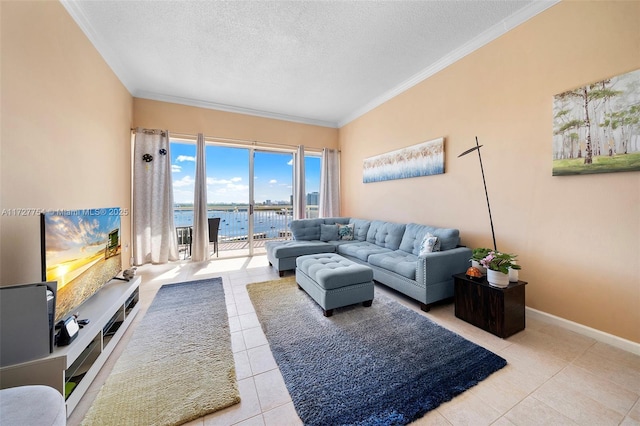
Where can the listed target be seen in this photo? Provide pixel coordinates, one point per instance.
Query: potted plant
(477, 255)
(498, 265)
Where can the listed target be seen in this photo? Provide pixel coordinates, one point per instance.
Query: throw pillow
(328, 232)
(429, 244)
(345, 232)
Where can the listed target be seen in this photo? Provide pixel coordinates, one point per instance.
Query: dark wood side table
(499, 311)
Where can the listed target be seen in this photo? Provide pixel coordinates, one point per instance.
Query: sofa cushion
(283, 249)
(386, 234)
(414, 234)
(345, 232)
(360, 228)
(306, 229)
(374, 227)
(328, 232)
(337, 243)
(398, 261)
(336, 220)
(361, 249)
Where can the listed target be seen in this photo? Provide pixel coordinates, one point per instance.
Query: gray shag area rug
(178, 365)
(381, 365)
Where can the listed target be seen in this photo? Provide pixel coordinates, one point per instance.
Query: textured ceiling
(319, 62)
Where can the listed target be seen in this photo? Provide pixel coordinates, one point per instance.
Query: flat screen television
(81, 251)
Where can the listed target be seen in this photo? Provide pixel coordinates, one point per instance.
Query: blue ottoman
(333, 281)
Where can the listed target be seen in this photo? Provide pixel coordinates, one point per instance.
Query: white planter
(475, 264)
(513, 275)
(497, 279)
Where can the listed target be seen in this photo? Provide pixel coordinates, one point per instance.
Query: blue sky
(228, 174)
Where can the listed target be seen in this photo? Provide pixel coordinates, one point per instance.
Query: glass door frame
(252, 192)
(252, 202)
(252, 149)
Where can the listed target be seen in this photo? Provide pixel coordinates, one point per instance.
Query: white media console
(71, 369)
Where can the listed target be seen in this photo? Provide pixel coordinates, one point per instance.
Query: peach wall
(65, 139)
(578, 237)
(191, 120)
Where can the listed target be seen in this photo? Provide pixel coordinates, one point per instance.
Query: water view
(234, 223)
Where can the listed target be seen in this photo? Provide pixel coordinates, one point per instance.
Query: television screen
(81, 251)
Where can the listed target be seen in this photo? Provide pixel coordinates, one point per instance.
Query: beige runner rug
(178, 365)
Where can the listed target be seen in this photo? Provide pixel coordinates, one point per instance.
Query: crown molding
(230, 108)
(119, 70)
(111, 59)
(487, 36)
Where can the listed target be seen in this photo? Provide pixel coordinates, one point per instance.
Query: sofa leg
(281, 273)
(327, 312)
(424, 307)
(367, 303)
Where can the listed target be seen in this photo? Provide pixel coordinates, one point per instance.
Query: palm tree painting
(426, 158)
(596, 128)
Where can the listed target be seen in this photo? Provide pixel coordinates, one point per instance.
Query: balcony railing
(270, 223)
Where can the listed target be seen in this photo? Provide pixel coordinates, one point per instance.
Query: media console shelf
(71, 369)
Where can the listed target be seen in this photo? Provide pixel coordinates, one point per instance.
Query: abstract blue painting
(423, 159)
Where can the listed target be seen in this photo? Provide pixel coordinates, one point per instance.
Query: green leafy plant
(480, 253)
(501, 262)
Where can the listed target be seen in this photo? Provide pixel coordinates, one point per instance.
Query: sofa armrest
(439, 266)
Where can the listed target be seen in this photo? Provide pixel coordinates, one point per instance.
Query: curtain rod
(229, 140)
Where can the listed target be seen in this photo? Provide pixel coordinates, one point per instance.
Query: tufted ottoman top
(331, 271)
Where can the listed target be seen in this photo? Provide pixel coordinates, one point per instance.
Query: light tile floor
(553, 376)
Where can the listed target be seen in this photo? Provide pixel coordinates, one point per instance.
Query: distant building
(312, 198)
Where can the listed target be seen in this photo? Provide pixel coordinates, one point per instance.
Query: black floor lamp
(477, 148)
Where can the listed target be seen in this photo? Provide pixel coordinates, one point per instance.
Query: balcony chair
(184, 234)
(214, 224)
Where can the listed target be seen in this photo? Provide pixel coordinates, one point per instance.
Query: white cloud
(273, 181)
(214, 181)
(175, 168)
(290, 163)
(182, 196)
(185, 181)
(181, 158)
(229, 193)
(227, 190)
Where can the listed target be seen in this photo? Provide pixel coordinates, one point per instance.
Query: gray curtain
(200, 239)
(329, 203)
(299, 196)
(154, 234)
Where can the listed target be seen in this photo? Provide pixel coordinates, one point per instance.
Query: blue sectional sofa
(394, 251)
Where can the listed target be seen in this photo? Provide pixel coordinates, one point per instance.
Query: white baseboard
(598, 335)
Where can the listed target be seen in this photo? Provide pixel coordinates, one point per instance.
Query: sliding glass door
(229, 196)
(250, 190)
(272, 196)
